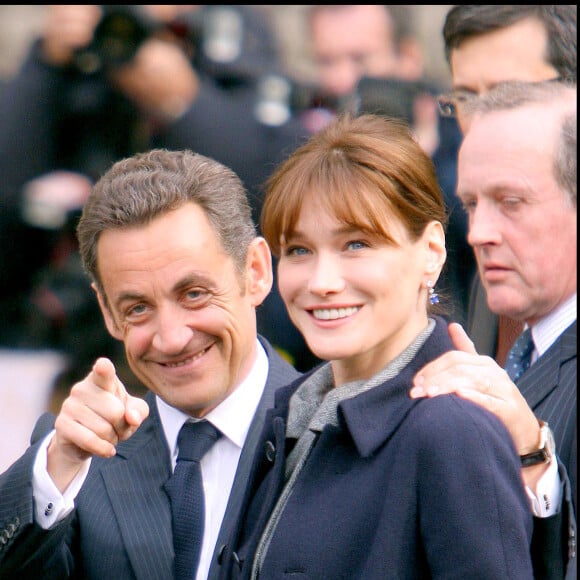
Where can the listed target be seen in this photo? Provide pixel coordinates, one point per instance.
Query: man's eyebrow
(194, 279)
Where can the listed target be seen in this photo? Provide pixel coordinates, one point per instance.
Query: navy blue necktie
(520, 355)
(185, 491)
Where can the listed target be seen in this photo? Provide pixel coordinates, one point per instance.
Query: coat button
(220, 558)
(270, 451)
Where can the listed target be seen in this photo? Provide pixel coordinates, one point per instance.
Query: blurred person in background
(101, 83)
(487, 44)
(368, 58)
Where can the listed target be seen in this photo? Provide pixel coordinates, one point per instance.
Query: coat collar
(373, 416)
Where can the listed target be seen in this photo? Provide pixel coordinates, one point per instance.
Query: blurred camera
(226, 42)
(118, 36)
(280, 97)
(390, 97)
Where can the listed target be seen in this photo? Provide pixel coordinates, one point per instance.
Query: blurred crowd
(84, 85)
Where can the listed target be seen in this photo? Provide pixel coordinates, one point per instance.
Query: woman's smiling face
(358, 299)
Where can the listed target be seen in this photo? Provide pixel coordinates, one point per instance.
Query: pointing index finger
(105, 377)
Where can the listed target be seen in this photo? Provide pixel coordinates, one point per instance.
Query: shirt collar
(549, 328)
(232, 416)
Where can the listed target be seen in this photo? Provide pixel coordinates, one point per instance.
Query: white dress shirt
(232, 417)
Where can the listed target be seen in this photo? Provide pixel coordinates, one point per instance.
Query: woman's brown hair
(365, 170)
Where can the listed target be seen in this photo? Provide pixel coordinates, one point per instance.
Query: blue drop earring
(433, 296)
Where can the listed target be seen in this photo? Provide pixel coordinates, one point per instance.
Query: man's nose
(483, 226)
(173, 331)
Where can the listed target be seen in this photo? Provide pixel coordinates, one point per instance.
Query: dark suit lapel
(280, 374)
(544, 375)
(137, 478)
(482, 323)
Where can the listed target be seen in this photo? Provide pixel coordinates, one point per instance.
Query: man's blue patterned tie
(519, 357)
(185, 491)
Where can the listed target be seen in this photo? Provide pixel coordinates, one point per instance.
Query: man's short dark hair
(466, 21)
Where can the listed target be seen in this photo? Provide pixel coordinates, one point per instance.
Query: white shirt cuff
(50, 505)
(546, 501)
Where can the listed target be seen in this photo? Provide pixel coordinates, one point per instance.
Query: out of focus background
(20, 23)
(62, 123)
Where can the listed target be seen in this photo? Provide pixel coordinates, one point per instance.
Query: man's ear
(112, 327)
(259, 275)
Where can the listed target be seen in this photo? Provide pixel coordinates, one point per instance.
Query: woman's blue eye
(357, 245)
(296, 251)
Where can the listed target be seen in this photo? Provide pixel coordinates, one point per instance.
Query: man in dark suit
(172, 252)
(486, 44)
(517, 180)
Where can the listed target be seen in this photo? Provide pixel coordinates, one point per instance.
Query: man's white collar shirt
(218, 466)
(547, 330)
(232, 417)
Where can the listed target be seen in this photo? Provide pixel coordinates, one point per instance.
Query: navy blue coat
(402, 488)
